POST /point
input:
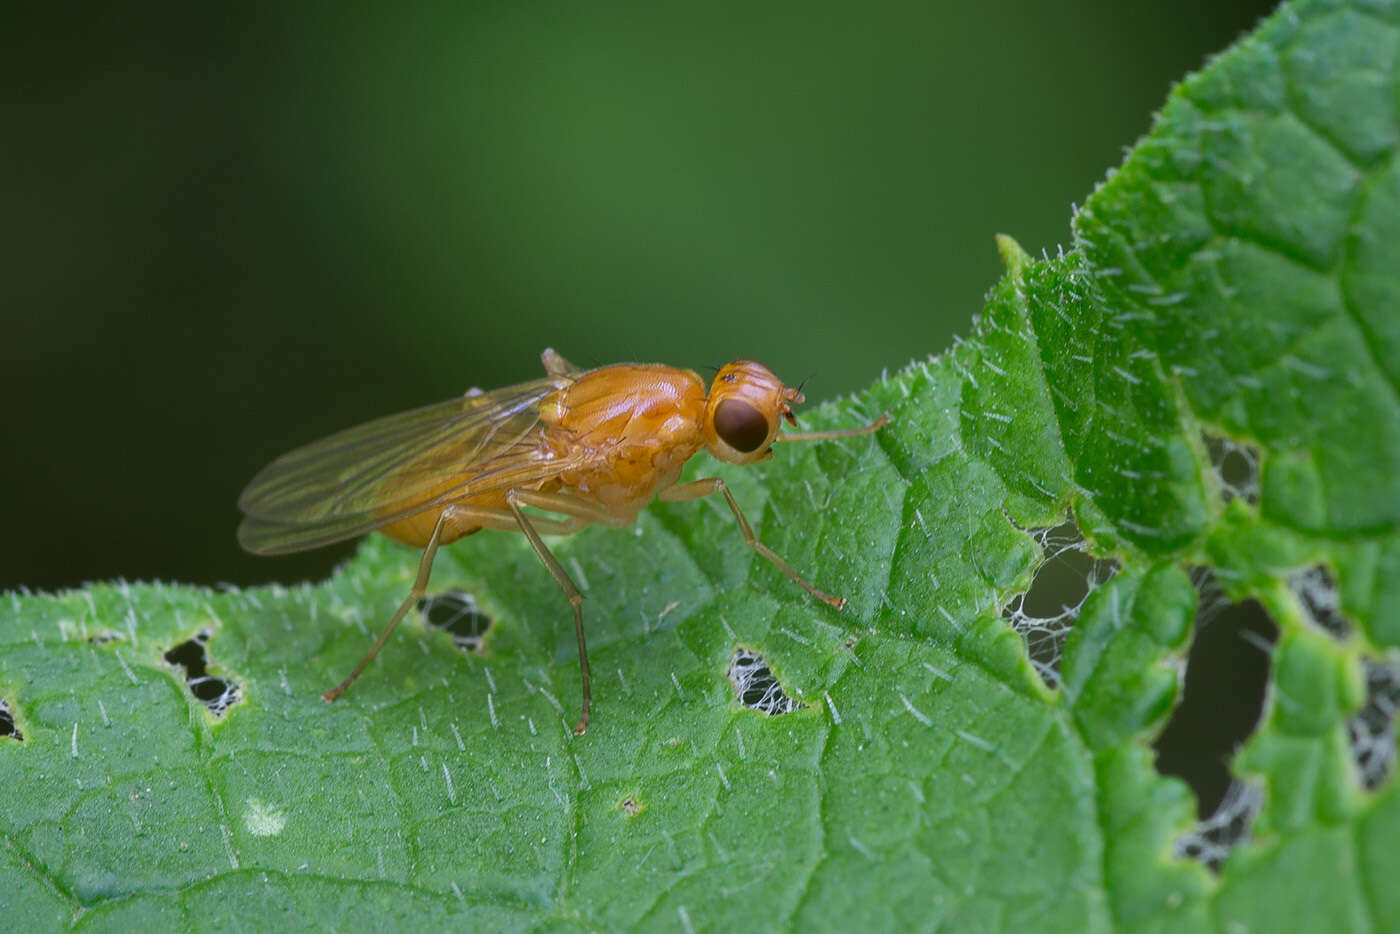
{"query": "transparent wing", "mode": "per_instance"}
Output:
(370, 475)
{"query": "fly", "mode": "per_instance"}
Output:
(587, 447)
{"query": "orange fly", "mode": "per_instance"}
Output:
(587, 447)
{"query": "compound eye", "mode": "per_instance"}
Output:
(740, 425)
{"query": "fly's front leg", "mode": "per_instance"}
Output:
(836, 433)
(514, 499)
(581, 512)
(699, 488)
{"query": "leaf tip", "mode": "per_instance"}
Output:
(1013, 255)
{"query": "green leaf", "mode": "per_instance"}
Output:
(1238, 278)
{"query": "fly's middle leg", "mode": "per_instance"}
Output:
(514, 499)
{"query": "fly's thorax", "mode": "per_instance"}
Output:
(628, 428)
(628, 404)
(743, 410)
(625, 483)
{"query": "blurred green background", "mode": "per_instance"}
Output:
(229, 231)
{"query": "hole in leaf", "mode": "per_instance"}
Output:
(757, 687)
(1227, 676)
(1236, 466)
(629, 806)
(1316, 591)
(8, 730)
(218, 694)
(1211, 840)
(1045, 612)
(1372, 731)
(457, 612)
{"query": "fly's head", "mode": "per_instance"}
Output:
(743, 411)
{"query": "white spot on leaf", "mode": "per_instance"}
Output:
(263, 820)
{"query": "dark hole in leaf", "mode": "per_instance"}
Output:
(1236, 466)
(1227, 674)
(756, 686)
(630, 807)
(8, 730)
(1372, 731)
(218, 694)
(457, 612)
(1316, 590)
(207, 689)
(1045, 612)
(189, 655)
(1211, 840)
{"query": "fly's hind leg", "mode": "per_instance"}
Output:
(488, 518)
(577, 514)
(698, 488)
